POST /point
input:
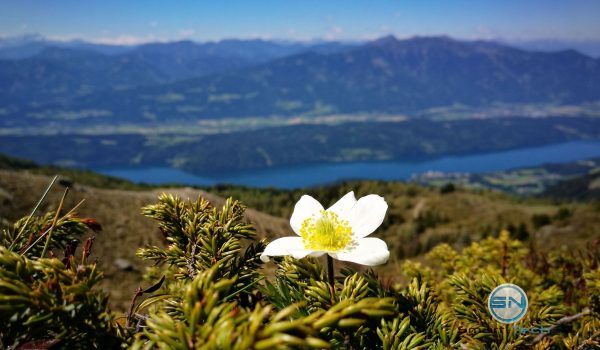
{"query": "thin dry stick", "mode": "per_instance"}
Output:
(32, 212)
(48, 230)
(74, 208)
(60, 206)
(564, 320)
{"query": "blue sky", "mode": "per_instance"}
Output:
(121, 21)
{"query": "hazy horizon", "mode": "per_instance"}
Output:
(589, 47)
(113, 22)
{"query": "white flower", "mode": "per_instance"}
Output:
(339, 231)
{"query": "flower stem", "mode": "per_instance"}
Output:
(330, 271)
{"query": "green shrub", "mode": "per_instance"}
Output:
(46, 301)
(447, 188)
(539, 220)
(212, 293)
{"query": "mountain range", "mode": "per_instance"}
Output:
(29, 45)
(187, 81)
(61, 71)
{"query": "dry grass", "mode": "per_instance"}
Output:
(118, 211)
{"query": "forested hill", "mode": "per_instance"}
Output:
(301, 144)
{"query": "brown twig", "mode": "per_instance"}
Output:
(192, 262)
(330, 272)
(138, 292)
(564, 320)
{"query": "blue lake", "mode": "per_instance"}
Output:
(319, 174)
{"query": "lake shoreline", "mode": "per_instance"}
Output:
(289, 177)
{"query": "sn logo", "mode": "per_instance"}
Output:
(507, 303)
(501, 302)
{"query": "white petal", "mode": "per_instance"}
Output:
(306, 207)
(368, 251)
(344, 206)
(286, 246)
(367, 215)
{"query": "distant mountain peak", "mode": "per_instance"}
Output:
(27, 36)
(185, 42)
(391, 40)
(10, 41)
(386, 40)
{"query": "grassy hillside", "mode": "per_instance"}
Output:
(418, 217)
(124, 229)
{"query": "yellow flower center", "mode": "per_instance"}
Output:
(326, 232)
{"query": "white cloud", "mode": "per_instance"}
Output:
(335, 32)
(127, 39)
(186, 33)
(69, 37)
(483, 32)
